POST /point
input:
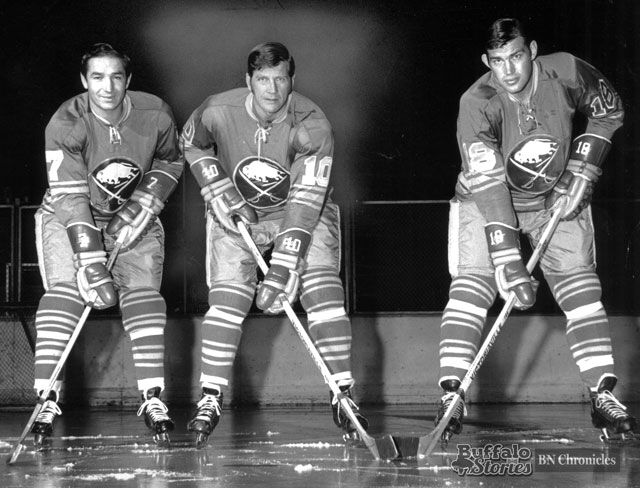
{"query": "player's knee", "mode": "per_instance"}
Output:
(62, 295)
(321, 287)
(232, 295)
(137, 301)
(583, 311)
(140, 293)
(327, 314)
(577, 290)
(475, 290)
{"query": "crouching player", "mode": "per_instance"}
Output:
(518, 158)
(112, 161)
(263, 154)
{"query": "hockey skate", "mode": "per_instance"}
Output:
(455, 423)
(43, 424)
(609, 415)
(342, 420)
(207, 416)
(156, 418)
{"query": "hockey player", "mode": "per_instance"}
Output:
(112, 160)
(263, 154)
(518, 157)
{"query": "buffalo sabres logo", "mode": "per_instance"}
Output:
(262, 182)
(116, 178)
(532, 166)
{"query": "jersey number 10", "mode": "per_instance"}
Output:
(317, 174)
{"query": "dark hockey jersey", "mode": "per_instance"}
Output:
(282, 170)
(513, 155)
(93, 167)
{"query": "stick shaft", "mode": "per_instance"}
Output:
(308, 343)
(434, 436)
(17, 448)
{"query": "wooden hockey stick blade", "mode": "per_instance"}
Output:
(17, 448)
(381, 447)
(428, 442)
(412, 446)
(405, 446)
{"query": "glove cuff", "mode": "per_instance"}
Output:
(84, 237)
(583, 169)
(590, 148)
(86, 258)
(289, 261)
(293, 241)
(501, 237)
(505, 256)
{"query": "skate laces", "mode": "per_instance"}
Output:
(461, 408)
(208, 406)
(48, 412)
(155, 409)
(611, 406)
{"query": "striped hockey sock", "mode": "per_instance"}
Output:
(329, 327)
(58, 315)
(144, 318)
(463, 319)
(222, 329)
(588, 333)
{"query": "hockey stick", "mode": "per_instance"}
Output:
(17, 448)
(428, 443)
(383, 448)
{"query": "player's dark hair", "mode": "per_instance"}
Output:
(269, 54)
(503, 31)
(103, 49)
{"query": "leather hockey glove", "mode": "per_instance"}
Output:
(142, 208)
(287, 262)
(221, 196)
(578, 180)
(94, 280)
(510, 271)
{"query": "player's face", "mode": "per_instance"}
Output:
(106, 82)
(270, 88)
(512, 64)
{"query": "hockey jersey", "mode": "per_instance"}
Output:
(93, 167)
(281, 170)
(512, 154)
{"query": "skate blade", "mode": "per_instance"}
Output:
(201, 440)
(40, 442)
(445, 437)
(351, 436)
(162, 440)
(619, 438)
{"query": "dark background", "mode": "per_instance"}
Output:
(387, 74)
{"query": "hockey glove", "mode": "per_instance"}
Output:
(94, 280)
(510, 272)
(578, 180)
(287, 262)
(143, 207)
(221, 196)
